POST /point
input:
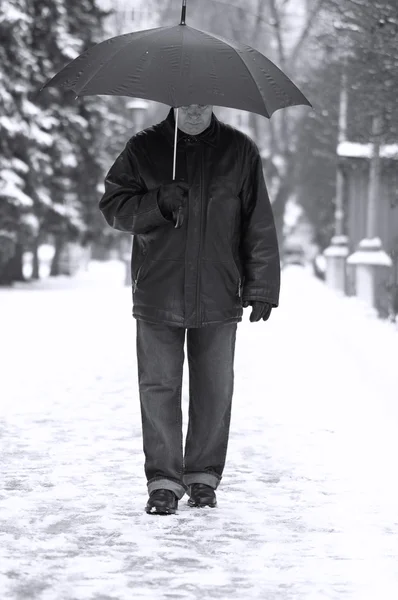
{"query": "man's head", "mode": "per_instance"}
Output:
(195, 118)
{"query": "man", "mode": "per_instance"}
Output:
(204, 247)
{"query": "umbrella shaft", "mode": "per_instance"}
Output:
(175, 145)
(183, 12)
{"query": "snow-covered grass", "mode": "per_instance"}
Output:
(307, 508)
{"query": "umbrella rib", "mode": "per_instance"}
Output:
(229, 44)
(115, 54)
(278, 88)
(252, 77)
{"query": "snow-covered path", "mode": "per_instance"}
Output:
(308, 506)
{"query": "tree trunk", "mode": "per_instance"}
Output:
(279, 206)
(374, 179)
(11, 270)
(5, 279)
(35, 262)
(17, 263)
(55, 263)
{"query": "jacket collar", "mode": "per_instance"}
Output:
(209, 136)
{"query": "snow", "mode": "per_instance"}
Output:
(69, 160)
(5, 96)
(357, 150)
(78, 120)
(13, 126)
(10, 189)
(339, 240)
(31, 221)
(45, 253)
(19, 165)
(280, 162)
(370, 243)
(344, 25)
(336, 251)
(320, 262)
(378, 258)
(137, 103)
(292, 213)
(48, 122)
(11, 176)
(338, 247)
(11, 14)
(29, 109)
(43, 197)
(370, 252)
(41, 137)
(307, 508)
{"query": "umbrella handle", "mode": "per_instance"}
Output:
(179, 218)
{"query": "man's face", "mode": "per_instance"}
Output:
(195, 118)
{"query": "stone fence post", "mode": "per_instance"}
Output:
(336, 255)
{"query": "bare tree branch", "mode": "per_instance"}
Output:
(277, 26)
(164, 9)
(304, 34)
(282, 61)
(257, 14)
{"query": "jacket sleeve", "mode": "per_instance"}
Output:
(259, 243)
(126, 204)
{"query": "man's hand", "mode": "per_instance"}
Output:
(261, 310)
(172, 198)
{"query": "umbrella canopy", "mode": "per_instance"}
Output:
(179, 66)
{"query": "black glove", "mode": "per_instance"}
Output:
(171, 200)
(261, 310)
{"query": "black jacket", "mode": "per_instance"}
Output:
(226, 250)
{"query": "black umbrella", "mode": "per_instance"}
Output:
(179, 66)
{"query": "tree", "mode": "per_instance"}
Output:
(16, 219)
(73, 160)
(52, 148)
(363, 36)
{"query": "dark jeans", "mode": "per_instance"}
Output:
(160, 357)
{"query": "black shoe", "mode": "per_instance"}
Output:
(162, 502)
(202, 495)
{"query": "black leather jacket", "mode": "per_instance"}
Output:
(226, 250)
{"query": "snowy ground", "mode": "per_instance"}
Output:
(308, 506)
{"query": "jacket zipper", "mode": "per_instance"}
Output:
(239, 279)
(200, 241)
(135, 283)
